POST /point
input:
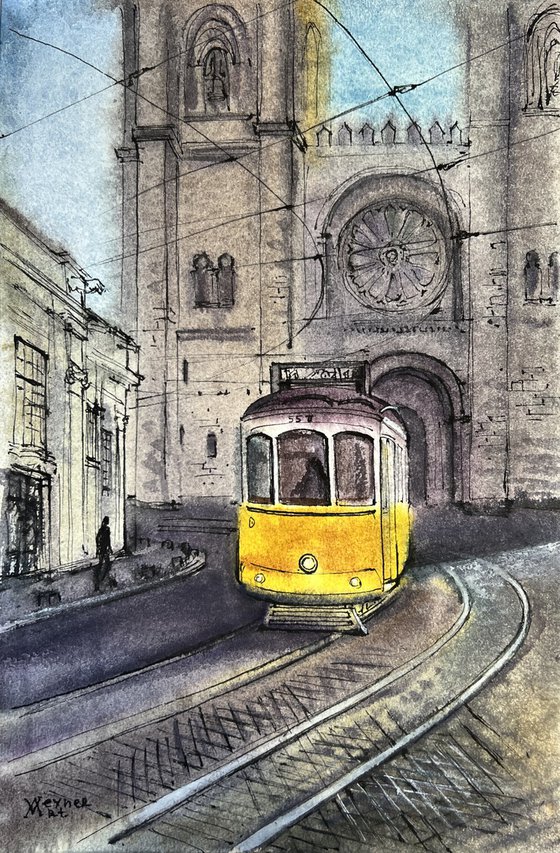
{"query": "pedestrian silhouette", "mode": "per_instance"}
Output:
(104, 551)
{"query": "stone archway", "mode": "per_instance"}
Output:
(429, 397)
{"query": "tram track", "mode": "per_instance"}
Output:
(243, 766)
(280, 824)
(156, 810)
(324, 741)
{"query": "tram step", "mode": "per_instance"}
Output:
(333, 618)
(318, 618)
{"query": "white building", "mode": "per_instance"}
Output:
(66, 382)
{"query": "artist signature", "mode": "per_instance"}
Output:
(54, 806)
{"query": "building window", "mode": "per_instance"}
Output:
(25, 519)
(541, 284)
(106, 461)
(311, 66)
(185, 371)
(214, 286)
(551, 293)
(225, 277)
(542, 61)
(393, 257)
(31, 396)
(211, 445)
(533, 276)
(93, 412)
(204, 281)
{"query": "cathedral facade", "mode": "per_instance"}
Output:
(268, 244)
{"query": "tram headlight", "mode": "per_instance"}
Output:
(308, 563)
(259, 578)
(355, 582)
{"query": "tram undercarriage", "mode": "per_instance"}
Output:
(335, 618)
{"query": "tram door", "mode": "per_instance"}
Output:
(388, 509)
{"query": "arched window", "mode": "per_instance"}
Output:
(204, 281)
(259, 469)
(542, 60)
(225, 278)
(533, 276)
(353, 454)
(311, 66)
(216, 77)
(551, 294)
(303, 468)
(216, 61)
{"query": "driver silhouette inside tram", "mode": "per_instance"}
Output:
(313, 488)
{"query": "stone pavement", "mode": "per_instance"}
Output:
(132, 767)
(485, 781)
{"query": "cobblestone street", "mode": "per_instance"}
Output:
(468, 784)
(486, 780)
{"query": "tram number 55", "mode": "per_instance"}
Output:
(300, 419)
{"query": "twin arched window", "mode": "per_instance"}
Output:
(214, 286)
(541, 285)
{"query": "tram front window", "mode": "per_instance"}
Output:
(259, 469)
(303, 468)
(353, 455)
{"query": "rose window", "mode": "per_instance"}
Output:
(393, 258)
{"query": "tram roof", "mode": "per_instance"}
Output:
(322, 399)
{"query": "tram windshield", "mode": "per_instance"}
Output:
(303, 468)
(355, 482)
(259, 469)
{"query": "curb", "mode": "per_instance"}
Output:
(106, 597)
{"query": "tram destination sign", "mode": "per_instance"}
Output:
(321, 373)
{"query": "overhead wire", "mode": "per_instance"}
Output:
(392, 92)
(129, 80)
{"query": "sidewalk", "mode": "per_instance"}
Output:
(438, 535)
(25, 599)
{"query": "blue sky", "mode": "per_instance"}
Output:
(62, 172)
(409, 41)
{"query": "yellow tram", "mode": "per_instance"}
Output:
(324, 525)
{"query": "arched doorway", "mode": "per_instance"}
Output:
(429, 399)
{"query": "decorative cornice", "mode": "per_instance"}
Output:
(240, 333)
(158, 133)
(74, 373)
(219, 150)
(273, 128)
(28, 459)
(127, 155)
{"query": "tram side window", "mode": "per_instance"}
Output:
(387, 473)
(401, 476)
(303, 468)
(355, 480)
(259, 469)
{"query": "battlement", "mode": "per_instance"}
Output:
(392, 133)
